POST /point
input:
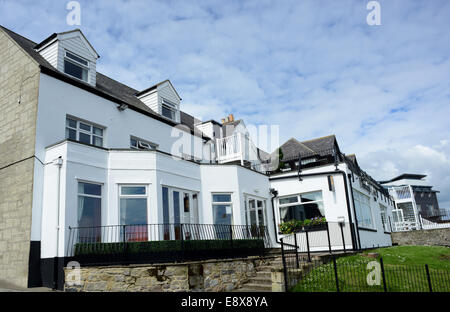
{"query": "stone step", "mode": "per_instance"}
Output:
(260, 281)
(266, 268)
(245, 289)
(258, 287)
(263, 274)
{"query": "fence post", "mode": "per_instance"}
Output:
(231, 236)
(296, 249)
(307, 246)
(341, 225)
(428, 277)
(284, 266)
(124, 243)
(182, 240)
(329, 240)
(383, 275)
(336, 273)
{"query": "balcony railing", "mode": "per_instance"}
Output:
(402, 192)
(230, 148)
(156, 243)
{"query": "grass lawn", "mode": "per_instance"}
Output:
(404, 268)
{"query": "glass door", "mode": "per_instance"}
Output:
(133, 212)
(180, 211)
(255, 215)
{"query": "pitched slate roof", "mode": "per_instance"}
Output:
(105, 86)
(292, 148)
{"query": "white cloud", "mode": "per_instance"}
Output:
(312, 67)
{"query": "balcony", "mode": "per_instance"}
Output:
(158, 243)
(401, 193)
(239, 148)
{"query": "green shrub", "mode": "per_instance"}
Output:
(165, 246)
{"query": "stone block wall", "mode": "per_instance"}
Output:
(19, 83)
(215, 276)
(435, 237)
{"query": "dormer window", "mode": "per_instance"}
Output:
(76, 66)
(168, 109)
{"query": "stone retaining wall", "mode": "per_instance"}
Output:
(224, 275)
(435, 237)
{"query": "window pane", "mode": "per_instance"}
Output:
(133, 190)
(288, 200)
(166, 112)
(186, 202)
(133, 143)
(301, 212)
(76, 58)
(89, 189)
(222, 214)
(71, 134)
(71, 123)
(313, 196)
(74, 70)
(85, 138)
(176, 207)
(84, 126)
(133, 211)
(89, 211)
(98, 131)
(221, 198)
(98, 141)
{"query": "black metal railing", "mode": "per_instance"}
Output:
(304, 272)
(368, 275)
(156, 243)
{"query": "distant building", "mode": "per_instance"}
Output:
(413, 199)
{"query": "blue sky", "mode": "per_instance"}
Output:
(313, 67)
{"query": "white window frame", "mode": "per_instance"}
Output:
(170, 106)
(383, 211)
(125, 196)
(359, 205)
(91, 133)
(91, 196)
(249, 210)
(76, 63)
(298, 202)
(140, 144)
(230, 203)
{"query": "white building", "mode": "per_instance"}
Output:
(107, 154)
(416, 203)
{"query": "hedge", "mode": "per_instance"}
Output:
(165, 246)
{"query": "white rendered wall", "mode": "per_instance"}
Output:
(82, 163)
(335, 204)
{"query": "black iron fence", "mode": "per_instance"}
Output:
(369, 275)
(305, 272)
(156, 243)
(328, 237)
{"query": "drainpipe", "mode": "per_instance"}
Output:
(274, 193)
(58, 162)
(344, 175)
